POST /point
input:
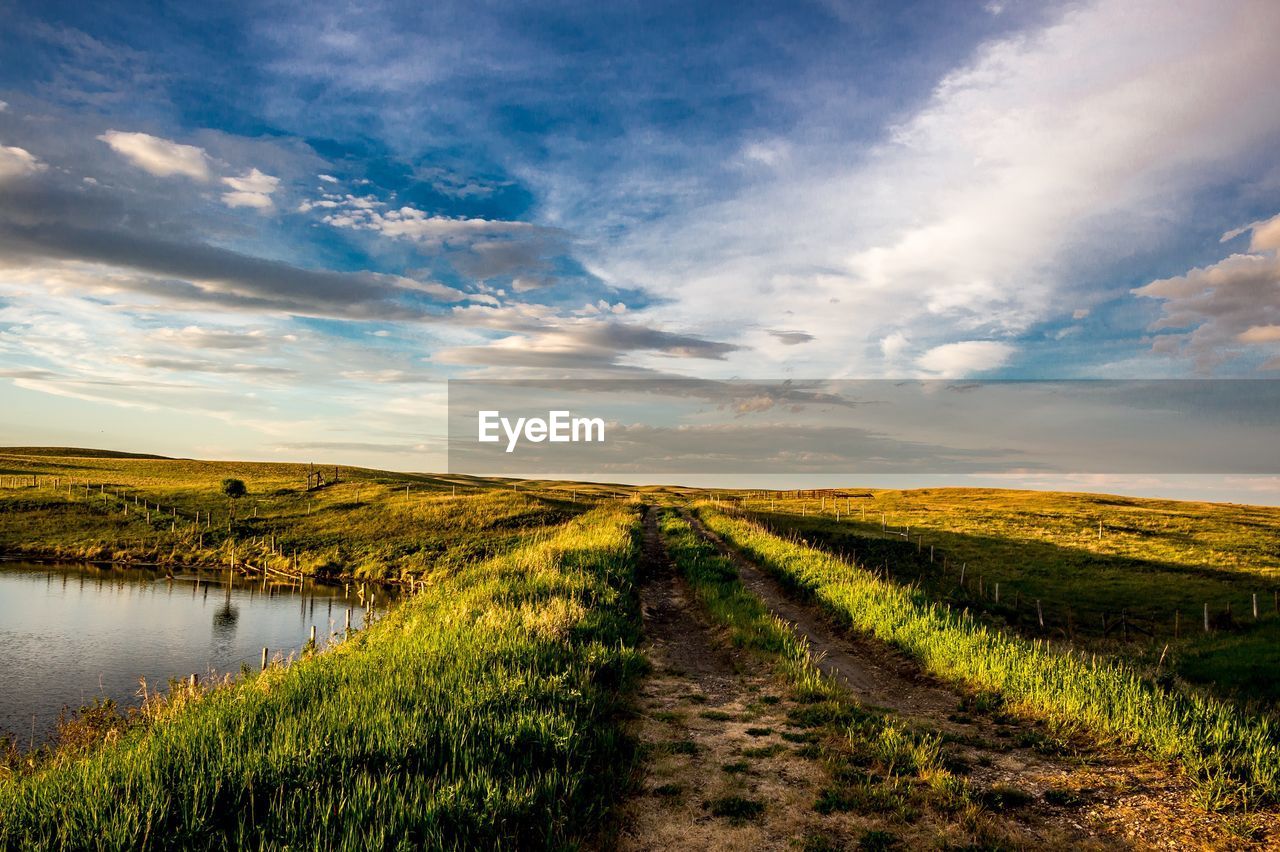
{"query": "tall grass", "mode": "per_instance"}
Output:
(481, 712)
(1234, 758)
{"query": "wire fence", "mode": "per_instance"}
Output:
(908, 556)
(228, 535)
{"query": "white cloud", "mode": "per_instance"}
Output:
(958, 360)
(974, 216)
(1260, 334)
(3, 106)
(1266, 235)
(160, 157)
(769, 154)
(252, 189)
(328, 178)
(200, 337)
(893, 346)
(18, 162)
(366, 213)
(1215, 313)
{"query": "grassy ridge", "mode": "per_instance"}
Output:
(1234, 758)
(479, 713)
(371, 524)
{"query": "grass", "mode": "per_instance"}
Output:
(1233, 757)
(735, 808)
(369, 525)
(850, 739)
(480, 712)
(1155, 559)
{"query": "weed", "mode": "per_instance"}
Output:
(736, 808)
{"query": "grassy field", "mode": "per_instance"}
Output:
(1234, 757)
(484, 709)
(480, 712)
(1142, 585)
(369, 524)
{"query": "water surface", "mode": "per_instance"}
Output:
(73, 633)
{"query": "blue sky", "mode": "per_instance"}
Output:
(272, 230)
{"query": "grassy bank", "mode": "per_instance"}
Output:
(478, 713)
(367, 524)
(1234, 758)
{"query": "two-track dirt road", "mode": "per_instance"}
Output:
(726, 769)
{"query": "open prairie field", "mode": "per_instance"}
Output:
(352, 522)
(1134, 577)
(589, 666)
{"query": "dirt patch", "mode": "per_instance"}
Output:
(1113, 798)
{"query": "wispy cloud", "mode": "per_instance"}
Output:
(252, 189)
(364, 199)
(992, 208)
(158, 156)
(1215, 313)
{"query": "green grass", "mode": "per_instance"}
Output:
(366, 526)
(1234, 757)
(854, 740)
(1157, 561)
(480, 712)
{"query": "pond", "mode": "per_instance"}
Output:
(72, 633)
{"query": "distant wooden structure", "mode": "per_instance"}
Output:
(316, 477)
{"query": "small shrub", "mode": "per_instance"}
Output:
(877, 841)
(1002, 797)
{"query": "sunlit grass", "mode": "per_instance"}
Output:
(908, 765)
(1155, 567)
(480, 712)
(1234, 758)
(370, 524)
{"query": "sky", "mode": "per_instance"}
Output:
(274, 230)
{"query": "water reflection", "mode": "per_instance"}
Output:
(224, 622)
(69, 634)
